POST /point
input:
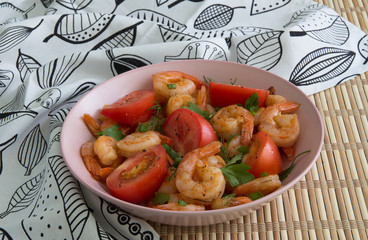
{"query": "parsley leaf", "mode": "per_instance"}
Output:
(171, 85)
(193, 107)
(112, 131)
(252, 104)
(237, 174)
(182, 202)
(174, 155)
(255, 195)
(161, 198)
(284, 174)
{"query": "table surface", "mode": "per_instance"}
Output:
(331, 201)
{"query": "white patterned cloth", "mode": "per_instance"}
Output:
(52, 52)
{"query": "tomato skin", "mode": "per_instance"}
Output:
(142, 187)
(267, 157)
(188, 130)
(222, 95)
(132, 108)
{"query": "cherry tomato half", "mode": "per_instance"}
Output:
(264, 155)
(138, 178)
(188, 130)
(222, 95)
(132, 108)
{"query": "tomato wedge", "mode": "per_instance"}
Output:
(138, 178)
(264, 155)
(132, 108)
(222, 95)
(188, 130)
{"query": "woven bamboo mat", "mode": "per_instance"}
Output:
(331, 201)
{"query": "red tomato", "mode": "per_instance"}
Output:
(265, 156)
(132, 108)
(138, 178)
(222, 95)
(188, 130)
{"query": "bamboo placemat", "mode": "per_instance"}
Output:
(331, 201)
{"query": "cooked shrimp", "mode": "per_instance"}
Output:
(289, 152)
(172, 206)
(275, 99)
(233, 120)
(226, 202)
(171, 83)
(92, 124)
(168, 186)
(106, 150)
(197, 182)
(139, 141)
(233, 145)
(263, 185)
(178, 101)
(92, 164)
(201, 99)
(282, 128)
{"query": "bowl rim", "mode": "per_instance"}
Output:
(266, 199)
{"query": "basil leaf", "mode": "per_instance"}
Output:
(237, 174)
(113, 132)
(161, 198)
(193, 107)
(252, 104)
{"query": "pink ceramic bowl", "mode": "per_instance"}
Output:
(74, 132)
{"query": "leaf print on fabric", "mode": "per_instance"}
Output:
(262, 50)
(4, 235)
(200, 50)
(76, 209)
(302, 15)
(321, 65)
(24, 195)
(32, 149)
(80, 28)
(46, 3)
(156, 17)
(176, 2)
(171, 35)
(123, 38)
(46, 100)
(161, 2)
(3, 146)
(123, 223)
(74, 4)
(26, 65)
(214, 16)
(14, 35)
(102, 234)
(125, 62)
(58, 119)
(57, 71)
(8, 9)
(6, 77)
(363, 48)
(261, 6)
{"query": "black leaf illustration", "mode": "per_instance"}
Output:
(75, 208)
(262, 50)
(150, 15)
(123, 38)
(48, 99)
(261, 6)
(4, 235)
(46, 3)
(24, 195)
(14, 35)
(80, 28)
(200, 50)
(363, 48)
(214, 16)
(125, 62)
(161, 2)
(74, 4)
(171, 35)
(6, 77)
(17, 102)
(321, 65)
(103, 235)
(54, 139)
(32, 149)
(179, 1)
(302, 15)
(57, 71)
(26, 64)
(58, 118)
(3, 146)
(7, 8)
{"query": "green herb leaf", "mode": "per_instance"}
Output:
(237, 174)
(243, 149)
(252, 103)
(235, 159)
(171, 85)
(157, 108)
(284, 174)
(232, 82)
(255, 196)
(161, 198)
(193, 107)
(144, 127)
(112, 131)
(264, 174)
(175, 156)
(228, 198)
(207, 80)
(182, 202)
